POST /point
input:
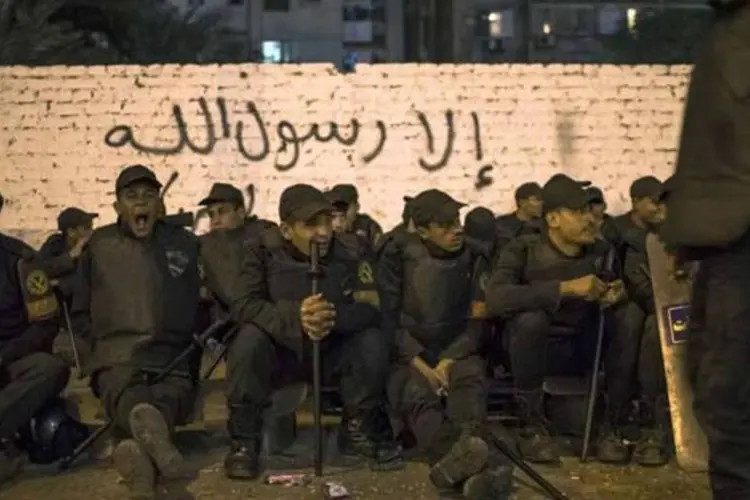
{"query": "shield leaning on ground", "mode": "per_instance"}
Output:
(672, 301)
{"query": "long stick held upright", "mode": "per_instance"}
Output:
(315, 274)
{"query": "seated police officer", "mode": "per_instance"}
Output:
(598, 206)
(225, 206)
(480, 225)
(544, 280)
(347, 215)
(272, 301)
(433, 303)
(525, 218)
(141, 294)
(30, 375)
(647, 378)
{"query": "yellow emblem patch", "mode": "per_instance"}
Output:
(37, 283)
(365, 273)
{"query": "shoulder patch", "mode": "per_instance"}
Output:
(37, 283)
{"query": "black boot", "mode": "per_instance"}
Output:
(369, 434)
(536, 445)
(652, 449)
(455, 457)
(245, 428)
(611, 447)
(495, 482)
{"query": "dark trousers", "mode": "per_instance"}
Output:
(526, 338)
(27, 385)
(633, 359)
(256, 365)
(719, 350)
(425, 413)
(120, 389)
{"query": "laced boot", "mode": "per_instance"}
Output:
(652, 449)
(245, 431)
(537, 445)
(495, 482)
(369, 434)
(455, 457)
(611, 447)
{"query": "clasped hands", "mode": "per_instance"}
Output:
(318, 317)
(438, 378)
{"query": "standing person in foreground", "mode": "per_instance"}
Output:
(432, 287)
(708, 219)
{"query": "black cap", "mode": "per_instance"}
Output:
(563, 192)
(74, 217)
(480, 223)
(302, 202)
(527, 190)
(222, 192)
(646, 187)
(135, 173)
(345, 194)
(667, 188)
(433, 205)
(596, 195)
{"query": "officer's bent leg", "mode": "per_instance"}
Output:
(250, 365)
(363, 362)
(527, 345)
(621, 358)
(722, 390)
(32, 382)
(467, 397)
(363, 370)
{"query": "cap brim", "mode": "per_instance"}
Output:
(142, 178)
(312, 210)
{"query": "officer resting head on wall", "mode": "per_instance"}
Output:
(139, 294)
(544, 280)
(481, 226)
(278, 317)
(432, 285)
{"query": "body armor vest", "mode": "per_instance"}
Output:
(144, 295)
(437, 295)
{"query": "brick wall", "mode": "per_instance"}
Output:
(66, 131)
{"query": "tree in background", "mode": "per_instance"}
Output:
(669, 36)
(71, 32)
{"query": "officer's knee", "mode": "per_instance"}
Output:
(48, 370)
(369, 348)
(250, 343)
(530, 323)
(418, 394)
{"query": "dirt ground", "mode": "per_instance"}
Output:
(204, 448)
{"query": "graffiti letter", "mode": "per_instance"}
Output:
(210, 131)
(483, 177)
(478, 153)
(265, 144)
(383, 135)
(122, 135)
(450, 139)
(289, 136)
(226, 130)
(333, 133)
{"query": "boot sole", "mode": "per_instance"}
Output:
(152, 433)
(491, 484)
(466, 458)
(135, 467)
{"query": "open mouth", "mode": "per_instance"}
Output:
(140, 222)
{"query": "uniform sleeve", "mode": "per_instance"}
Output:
(249, 303)
(376, 233)
(468, 343)
(80, 310)
(390, 282)
(507, 294)
(637, 279)
(55, 265)
(361, 309)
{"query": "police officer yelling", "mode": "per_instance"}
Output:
(141, 298)
(278, 317)
(433, 303)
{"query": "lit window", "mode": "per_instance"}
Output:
(547, 28)
(500, 24)
(631, 16)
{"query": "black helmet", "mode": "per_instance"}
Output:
(52, 434)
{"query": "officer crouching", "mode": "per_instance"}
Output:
(272, 302)
(433, 303)
(140, 293)
(31, 377)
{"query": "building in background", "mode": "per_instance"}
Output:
(287, 31)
